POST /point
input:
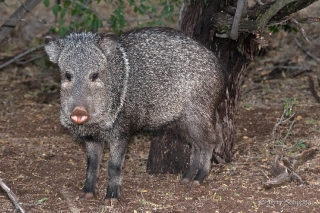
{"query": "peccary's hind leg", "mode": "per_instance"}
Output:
(205, 163)
(117, 153)
(200, 163)
(94, 155)
(197, 129)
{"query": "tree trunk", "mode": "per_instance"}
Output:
(204, 21)
(167, 154)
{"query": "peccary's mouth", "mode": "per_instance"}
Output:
(86, 129)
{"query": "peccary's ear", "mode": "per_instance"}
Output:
(108, 44)
(53, 48)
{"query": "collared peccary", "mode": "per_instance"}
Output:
(145, 79)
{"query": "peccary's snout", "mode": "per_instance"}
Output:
(79, 115)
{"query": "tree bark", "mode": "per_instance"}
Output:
(233, 61)
(204, 21)
(168, 154)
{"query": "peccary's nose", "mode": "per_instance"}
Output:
(79, 115)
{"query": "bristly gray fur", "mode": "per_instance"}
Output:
(147, 79)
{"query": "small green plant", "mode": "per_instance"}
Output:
(42, 200)
(80, 15)
(300, 145)
(287, 28)
(288, 106)
(247, 105)
(283, 127)
(154, 13)
(255, 206)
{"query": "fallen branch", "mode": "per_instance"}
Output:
(278, 181)
(16, 58)
(302, 158)
(11, 195)
(285, 170)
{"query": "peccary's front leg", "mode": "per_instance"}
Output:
(117, 153)
(94, 155)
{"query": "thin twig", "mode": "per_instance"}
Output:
(306, 51)
(222, 35)
(289, 130)
(301, 29)
(258, 2)
(285, 67)
(281, 121)
(280, 22)
(12, 196)
(4, 3)
(138, 19)
(265, 174)
(16, 58)
(142, 195)
(22, 62)
(93, 11)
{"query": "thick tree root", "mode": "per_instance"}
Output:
(313, 88)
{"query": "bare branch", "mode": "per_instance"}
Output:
(277, 168)
(306, 51)
(241, 6)
(279, 180)
(273, 9)
(303, 157)
(282, 121)
(16, 58)
(301, 29)
(11, 195)
(259, 2)
(12, 21)
(260, 16)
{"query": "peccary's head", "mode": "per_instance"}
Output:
(83, 61)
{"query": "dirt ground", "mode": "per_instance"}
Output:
(45, 168)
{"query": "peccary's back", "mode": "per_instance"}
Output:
(169, 74)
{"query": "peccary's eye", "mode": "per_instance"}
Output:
(95, 76)
(68, 76)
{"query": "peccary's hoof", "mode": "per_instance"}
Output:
(185, 181)
(111, 202)
(194, 183)
(84, 195)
